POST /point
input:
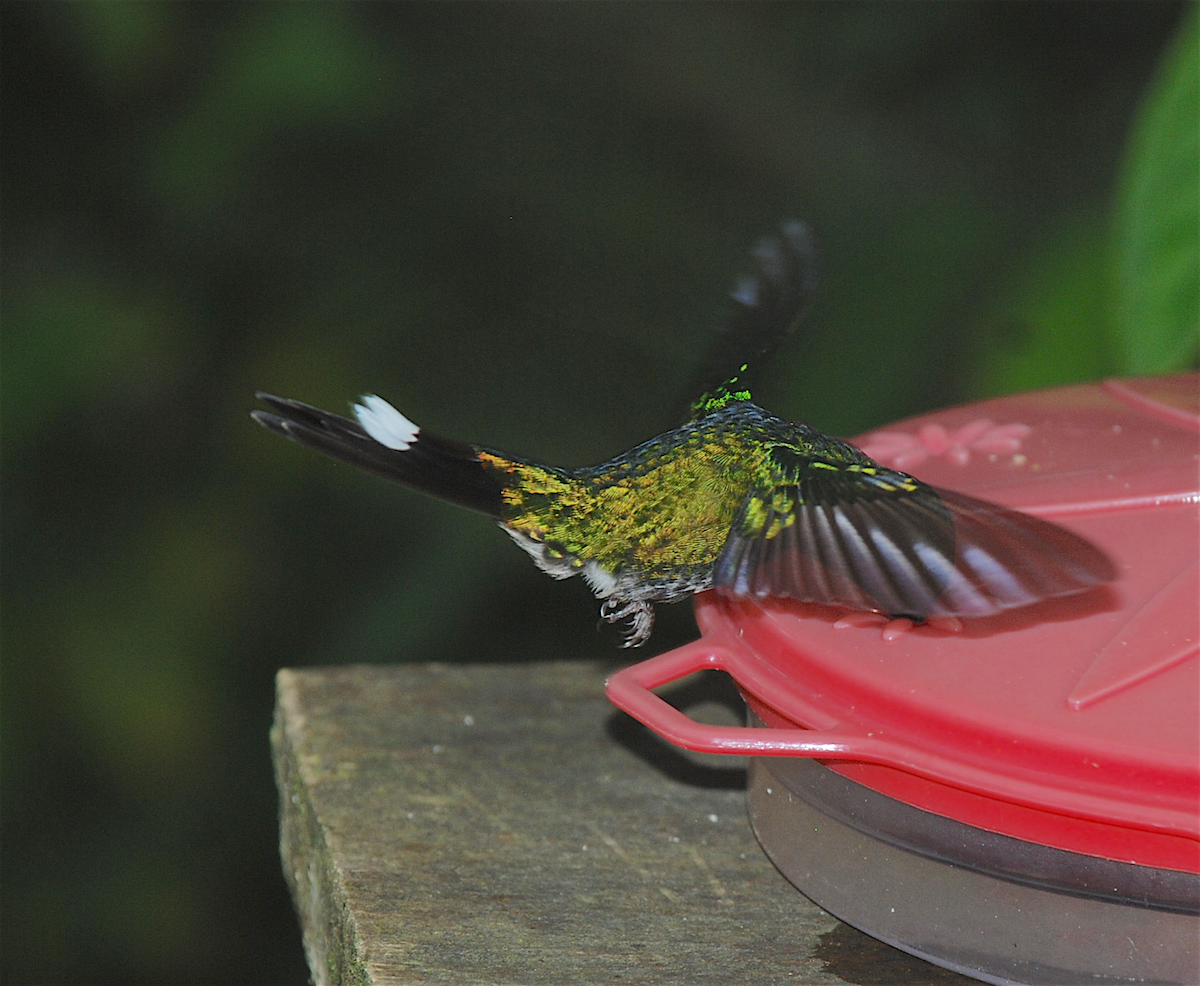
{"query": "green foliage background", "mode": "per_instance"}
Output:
(517, 222)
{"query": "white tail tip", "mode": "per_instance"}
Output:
(385, 424)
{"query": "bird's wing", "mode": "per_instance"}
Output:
(765, 305)
(878, 540)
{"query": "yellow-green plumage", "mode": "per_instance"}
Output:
(664, 508)
(651, 525)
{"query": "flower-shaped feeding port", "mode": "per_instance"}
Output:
(904, 450)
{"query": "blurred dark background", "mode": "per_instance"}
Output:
(517, 223)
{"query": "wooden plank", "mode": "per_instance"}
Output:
(502, 824)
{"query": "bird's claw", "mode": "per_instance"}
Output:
(640, 614)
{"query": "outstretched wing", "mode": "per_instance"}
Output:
(765, 305)
(873, 539)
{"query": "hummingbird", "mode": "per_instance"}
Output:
(734, 498)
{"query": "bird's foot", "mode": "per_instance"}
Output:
(640, 614)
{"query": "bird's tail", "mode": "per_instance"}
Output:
(385, 442)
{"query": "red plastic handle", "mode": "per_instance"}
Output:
(630, 691)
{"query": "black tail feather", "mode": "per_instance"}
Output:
(441, 467)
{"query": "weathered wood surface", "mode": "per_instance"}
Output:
(494, 824)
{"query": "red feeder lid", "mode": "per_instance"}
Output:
(1074, 723)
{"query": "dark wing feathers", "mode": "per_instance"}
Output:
(769, 300)
(1020, 558)
(432, 464)
(923, 553)
(764, 307)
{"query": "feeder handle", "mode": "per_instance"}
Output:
(630, 691)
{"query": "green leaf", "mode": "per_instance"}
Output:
(1049, 325)
(1157, 329)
